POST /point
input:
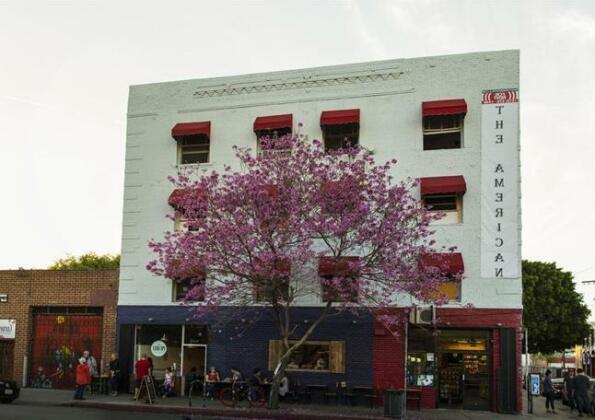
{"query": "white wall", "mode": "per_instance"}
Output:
(389, 95)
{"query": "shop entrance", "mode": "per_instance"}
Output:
(464, 369)
(6, 358)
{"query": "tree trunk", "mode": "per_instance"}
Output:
(277, 376)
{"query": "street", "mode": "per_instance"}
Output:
(22, 411)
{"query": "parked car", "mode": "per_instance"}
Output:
(9, 391)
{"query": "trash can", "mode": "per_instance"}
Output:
(393, 403)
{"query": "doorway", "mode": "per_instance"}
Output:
(194, 360)
(6, 358)
(464, 370)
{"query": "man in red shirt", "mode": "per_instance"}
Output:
(142, 368)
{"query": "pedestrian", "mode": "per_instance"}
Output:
(114, 368)
(581, 392)
(142, 369)
(548, 389)
(91, 362)
(82, 379)
(569, 390)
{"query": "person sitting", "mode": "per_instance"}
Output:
(193, 381)
(284, 387)
(212, 379)
(255, 381)
(168, 383)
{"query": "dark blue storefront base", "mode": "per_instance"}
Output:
(242, 340)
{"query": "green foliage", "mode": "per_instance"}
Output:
(89, 261)
(554, 313)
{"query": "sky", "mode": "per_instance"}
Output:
(65, 68)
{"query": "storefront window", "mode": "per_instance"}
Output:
(420, 357)
(320, 356)
(162, 344)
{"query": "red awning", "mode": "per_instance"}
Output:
(444, 107)
(331, 266)
(191, 129)
(343, 116)
(273, 122)
(179, 196)
(449, 262)
(443, 185)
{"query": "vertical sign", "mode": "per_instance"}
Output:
(500, 184)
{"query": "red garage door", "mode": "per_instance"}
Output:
(58, 341)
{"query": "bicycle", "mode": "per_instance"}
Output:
(238, 392)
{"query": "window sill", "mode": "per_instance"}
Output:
(194, 165)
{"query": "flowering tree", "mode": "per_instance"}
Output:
(296, 223)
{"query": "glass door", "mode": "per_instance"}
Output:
(476, 381)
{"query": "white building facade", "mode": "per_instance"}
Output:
(451, 121)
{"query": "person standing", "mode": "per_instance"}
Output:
(91, 362)
(82, 378)
(142, 368)
(581, 392)
(114, 368)
(569, 389)
(548, 389)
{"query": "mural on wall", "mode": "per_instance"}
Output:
(58, 342)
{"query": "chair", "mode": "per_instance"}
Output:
(364, 393)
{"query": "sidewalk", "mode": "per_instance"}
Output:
(179, 406)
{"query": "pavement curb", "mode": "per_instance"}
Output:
(251, 413)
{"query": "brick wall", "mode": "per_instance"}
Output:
(29, 288)
(389, 354)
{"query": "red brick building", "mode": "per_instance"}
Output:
(50, 318)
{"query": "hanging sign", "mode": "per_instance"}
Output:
(158, 348)
(500, 235)
(8, 328)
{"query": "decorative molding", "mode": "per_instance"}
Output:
(305, 82)
(298, 100)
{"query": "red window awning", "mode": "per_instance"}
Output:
(340, 266)
(443, 185)
(444, 107)
(448, 262)
(180, 198)
(273, 122)
(178, 269)
(339, 117)
(191, 129)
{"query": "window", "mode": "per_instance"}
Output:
(319, 356)
(189, 290)
(340, 136)
(181, 225)
(443, 131)
(194, 149)
(271, 290)
(273, 127)
(444, 194)
(450, 289)
(339, 289)
(449, 204)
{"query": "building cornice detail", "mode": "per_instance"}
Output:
(305, 82)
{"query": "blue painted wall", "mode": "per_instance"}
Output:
(243, 341)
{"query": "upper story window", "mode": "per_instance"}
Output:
(450, 264)
(189, 290)
(272, 126)
(194, 140)
(444, 194)
(340, 129)
(443, 123)
(338, 279)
